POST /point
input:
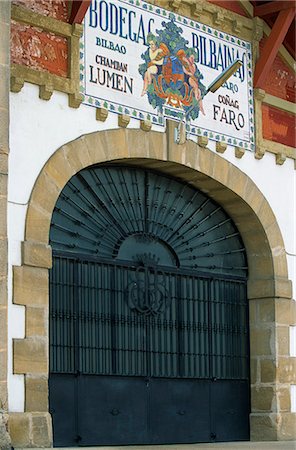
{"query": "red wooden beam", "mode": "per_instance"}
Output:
(272, 45)
(78, 11)
(273, 7)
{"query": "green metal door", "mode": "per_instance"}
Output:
(149, 318)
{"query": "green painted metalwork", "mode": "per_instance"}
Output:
(148, 279)
(119, 213)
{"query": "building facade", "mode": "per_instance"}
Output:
(189, 236)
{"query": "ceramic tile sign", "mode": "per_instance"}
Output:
(149, 63)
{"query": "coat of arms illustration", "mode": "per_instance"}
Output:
(170, 74)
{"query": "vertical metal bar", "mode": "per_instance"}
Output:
(209, 296)
(179, 329)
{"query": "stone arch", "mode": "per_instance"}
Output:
(269, 290)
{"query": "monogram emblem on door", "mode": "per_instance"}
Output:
(147, 291)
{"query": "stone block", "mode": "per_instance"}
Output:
(262, 399)
(287, 429)
(3, 217)
(45, 91)
(4, 127)
(286, 370)
(16, 84)
(37, 224)
(116, 147)
(30, 286)
(101, 114)
(182, 154)
(3, 326)
(205, 162)
(145, 125)
(283, 288)
(259, 94)
(261, 342)
(4, 163)
(36, 393)
(237, 181)
(45, 193)
(3, 290)
(123, 120)
(36, 321)
(19, 429)
(254, 370)
(75, 100)
(266, 310)
(253, 311)
(3, 396)
(253, 196)
(285, 311)
(267, 370)
(282, 340)
(41, 430)
(137, 144)
(259, 289)
(3, 363)
(30, 356)
(284, 398)
(30, 430)
(220, 172)
(5, 442)
(3, 257)
(203, 141)
(263, 426)
(239, 152)
(36, 254)
(97, 146)
(266, 215)
(280, 158)
(278, 251)
(58, 168)
(221, 147)
(77, 156)
(157, 146)
(3, 185)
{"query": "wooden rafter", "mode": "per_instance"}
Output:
(273, 7)
(272, 45)
(78, 10)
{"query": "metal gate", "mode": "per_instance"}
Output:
(147, 344)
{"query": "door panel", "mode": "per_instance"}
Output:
(230, 410)
(112, 410)
(179, 411)
(63, 408)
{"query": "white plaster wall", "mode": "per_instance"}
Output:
(38, 128)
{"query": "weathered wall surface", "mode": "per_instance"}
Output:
(4, 150)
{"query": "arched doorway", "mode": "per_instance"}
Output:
(149, 316)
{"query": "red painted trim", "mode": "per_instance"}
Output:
(272, 7)
(272, 45)
(78, 10)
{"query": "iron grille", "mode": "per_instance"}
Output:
(96, 328)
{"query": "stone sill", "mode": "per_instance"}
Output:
(265, 445)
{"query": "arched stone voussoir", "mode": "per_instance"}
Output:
(199, 166)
